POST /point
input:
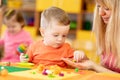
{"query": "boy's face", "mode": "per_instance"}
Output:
(55, 35)
(13, 26)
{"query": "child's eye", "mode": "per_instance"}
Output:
(64, 35)
(55, 35)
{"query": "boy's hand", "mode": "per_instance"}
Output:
(79, 56)
(24, 57)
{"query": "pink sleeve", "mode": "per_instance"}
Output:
(1, 42)
(110, 62)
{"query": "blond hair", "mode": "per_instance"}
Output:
(56, 14)
(108, 39)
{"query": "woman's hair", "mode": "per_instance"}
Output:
(18, 16)
(56, 14)
(108, 39)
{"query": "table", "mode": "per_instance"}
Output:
(70, 74)
(27, 75)
(102, 76)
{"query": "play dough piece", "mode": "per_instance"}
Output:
(25, 64)
(3, 71)
(76, 69)
(55, 69)
(40, 67)
(61, 74)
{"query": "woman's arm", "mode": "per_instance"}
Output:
(100, 68)
(87, 64)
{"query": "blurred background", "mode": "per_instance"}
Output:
(81, 14)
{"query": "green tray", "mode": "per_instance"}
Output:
(14, 69)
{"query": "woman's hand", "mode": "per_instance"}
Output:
(85, 64)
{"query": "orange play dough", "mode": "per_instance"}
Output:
(4, 72)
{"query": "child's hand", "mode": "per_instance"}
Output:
(79, 55)
(24, 57)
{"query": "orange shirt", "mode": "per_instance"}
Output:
(40, 54)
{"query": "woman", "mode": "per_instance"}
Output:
(106, 26)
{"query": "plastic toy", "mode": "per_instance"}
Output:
(21, 48)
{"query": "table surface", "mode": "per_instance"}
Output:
(20, 73)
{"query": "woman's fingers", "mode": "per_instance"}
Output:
(72, 64)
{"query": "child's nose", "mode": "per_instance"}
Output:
(60, 38)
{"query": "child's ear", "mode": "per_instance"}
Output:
(42, 31)
(22, 23)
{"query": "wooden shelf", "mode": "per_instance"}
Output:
(70, 6)
(24, 9)
(72, 31)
